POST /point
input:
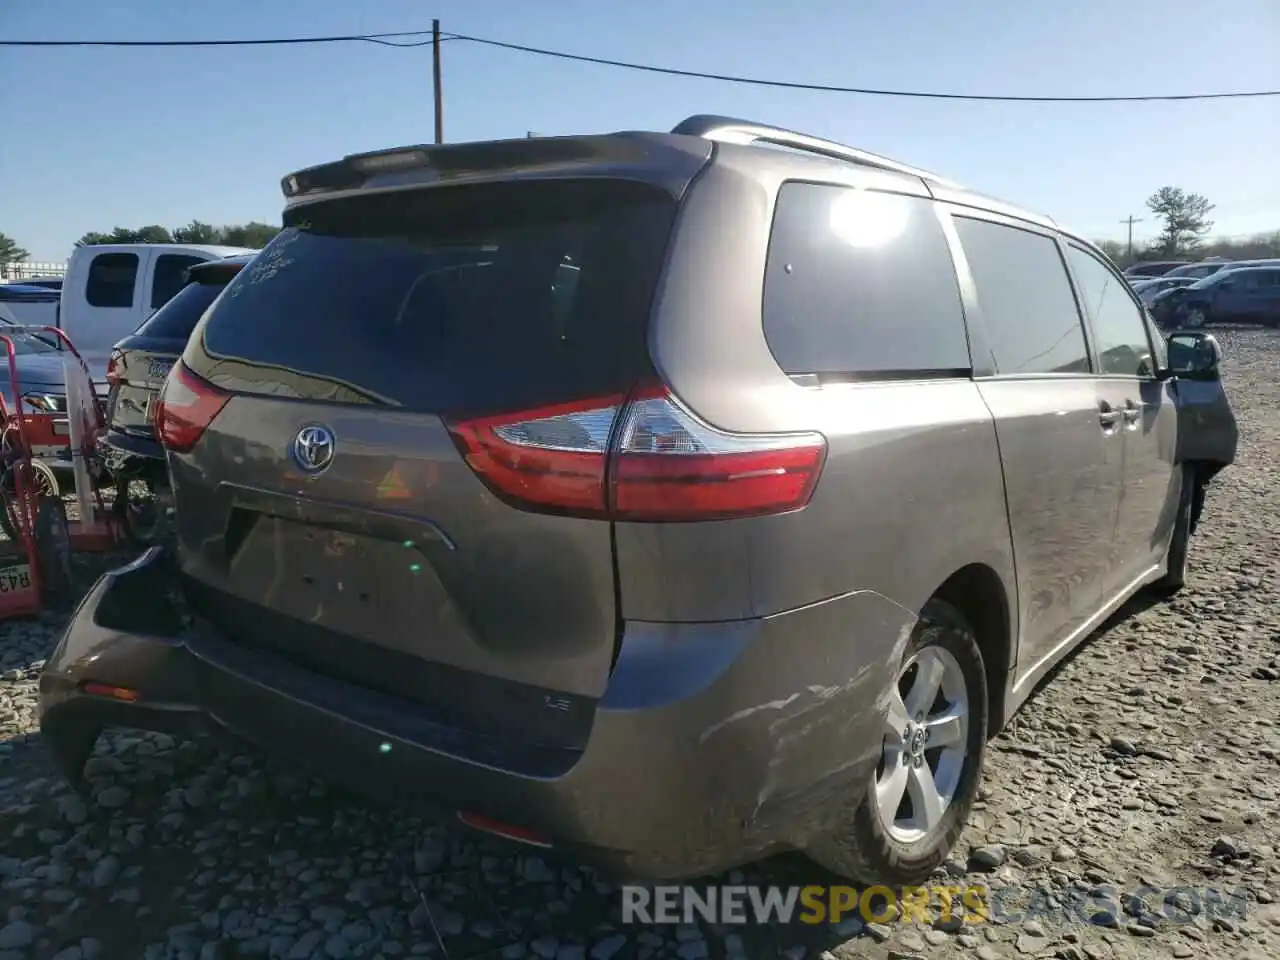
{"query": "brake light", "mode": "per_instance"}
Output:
(669, 465)
(186, 406)
(642, 458)
(551, 458)
(114, 375)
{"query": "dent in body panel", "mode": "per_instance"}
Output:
(1207, 429)
(819, 730)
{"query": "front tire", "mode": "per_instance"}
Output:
(931, 758)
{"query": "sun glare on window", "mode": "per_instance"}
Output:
(864, 219)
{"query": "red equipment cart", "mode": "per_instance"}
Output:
(35, 565)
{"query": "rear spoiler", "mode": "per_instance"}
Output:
(679, 158)
(214, 271)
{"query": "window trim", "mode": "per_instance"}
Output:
(1069, 243)
(976, 322)
(138, 272)
(861, 377)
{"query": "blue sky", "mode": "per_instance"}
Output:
(136, 136)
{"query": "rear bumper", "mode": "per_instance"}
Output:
(122, 451)
(713, 744)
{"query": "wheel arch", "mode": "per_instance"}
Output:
(977, 591)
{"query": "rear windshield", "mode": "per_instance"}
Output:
(27, 342)
(461, 300)
(178, 317)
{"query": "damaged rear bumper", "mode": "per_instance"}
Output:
(714, 743)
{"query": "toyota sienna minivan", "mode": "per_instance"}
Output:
(668, 498)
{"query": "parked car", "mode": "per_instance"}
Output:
(1153, 268)
(1198, 271)
(110, 289)
(1147, 290)
(136, 371)
(49, 283)
(29, 305)
(1247, 294)
(629, 559)
(1241, 264)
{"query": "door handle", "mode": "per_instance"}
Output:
(1108, 417)
(1132, 413)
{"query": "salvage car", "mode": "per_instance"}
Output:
(1238, 295)
(136, 370)
(665, 498)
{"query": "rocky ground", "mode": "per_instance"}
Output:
(1151, 758)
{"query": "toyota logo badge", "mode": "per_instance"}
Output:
(313, 448)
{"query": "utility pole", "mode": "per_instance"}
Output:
(1131, 220)
(435, 78)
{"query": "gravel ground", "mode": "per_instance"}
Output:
(1152, 757)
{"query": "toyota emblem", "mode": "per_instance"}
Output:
(313, 448)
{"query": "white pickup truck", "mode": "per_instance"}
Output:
(110, 289)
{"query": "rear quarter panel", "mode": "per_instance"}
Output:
(912, 489)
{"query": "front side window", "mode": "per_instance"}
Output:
(859, 282)
(1118, 323)
(1029, 312)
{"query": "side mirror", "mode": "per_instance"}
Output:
(1194, 356)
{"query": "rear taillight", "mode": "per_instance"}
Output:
(114, 373)
(552, 458)
(643, 458)
(186, 406)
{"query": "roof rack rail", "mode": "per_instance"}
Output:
(731, 130)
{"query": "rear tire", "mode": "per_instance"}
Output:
(1175, 577)
(881, 846)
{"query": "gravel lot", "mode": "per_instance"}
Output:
(1152, 757)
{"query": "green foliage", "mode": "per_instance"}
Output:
(1186, 220)
(254, 234)
(10, 252)
(197, 232)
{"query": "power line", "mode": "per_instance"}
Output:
(267, 42)
(391, 40)
(869, 91)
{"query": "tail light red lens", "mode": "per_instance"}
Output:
(669, 465)
(186, 406)
(551, 458)
(642, 458)
(114, 374)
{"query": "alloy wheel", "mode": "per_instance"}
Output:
(925, 745)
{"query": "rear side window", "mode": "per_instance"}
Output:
(461, 300)
(170, 276)
(861, 283)
(112, 277)
(178, 317)
(1028, 310)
